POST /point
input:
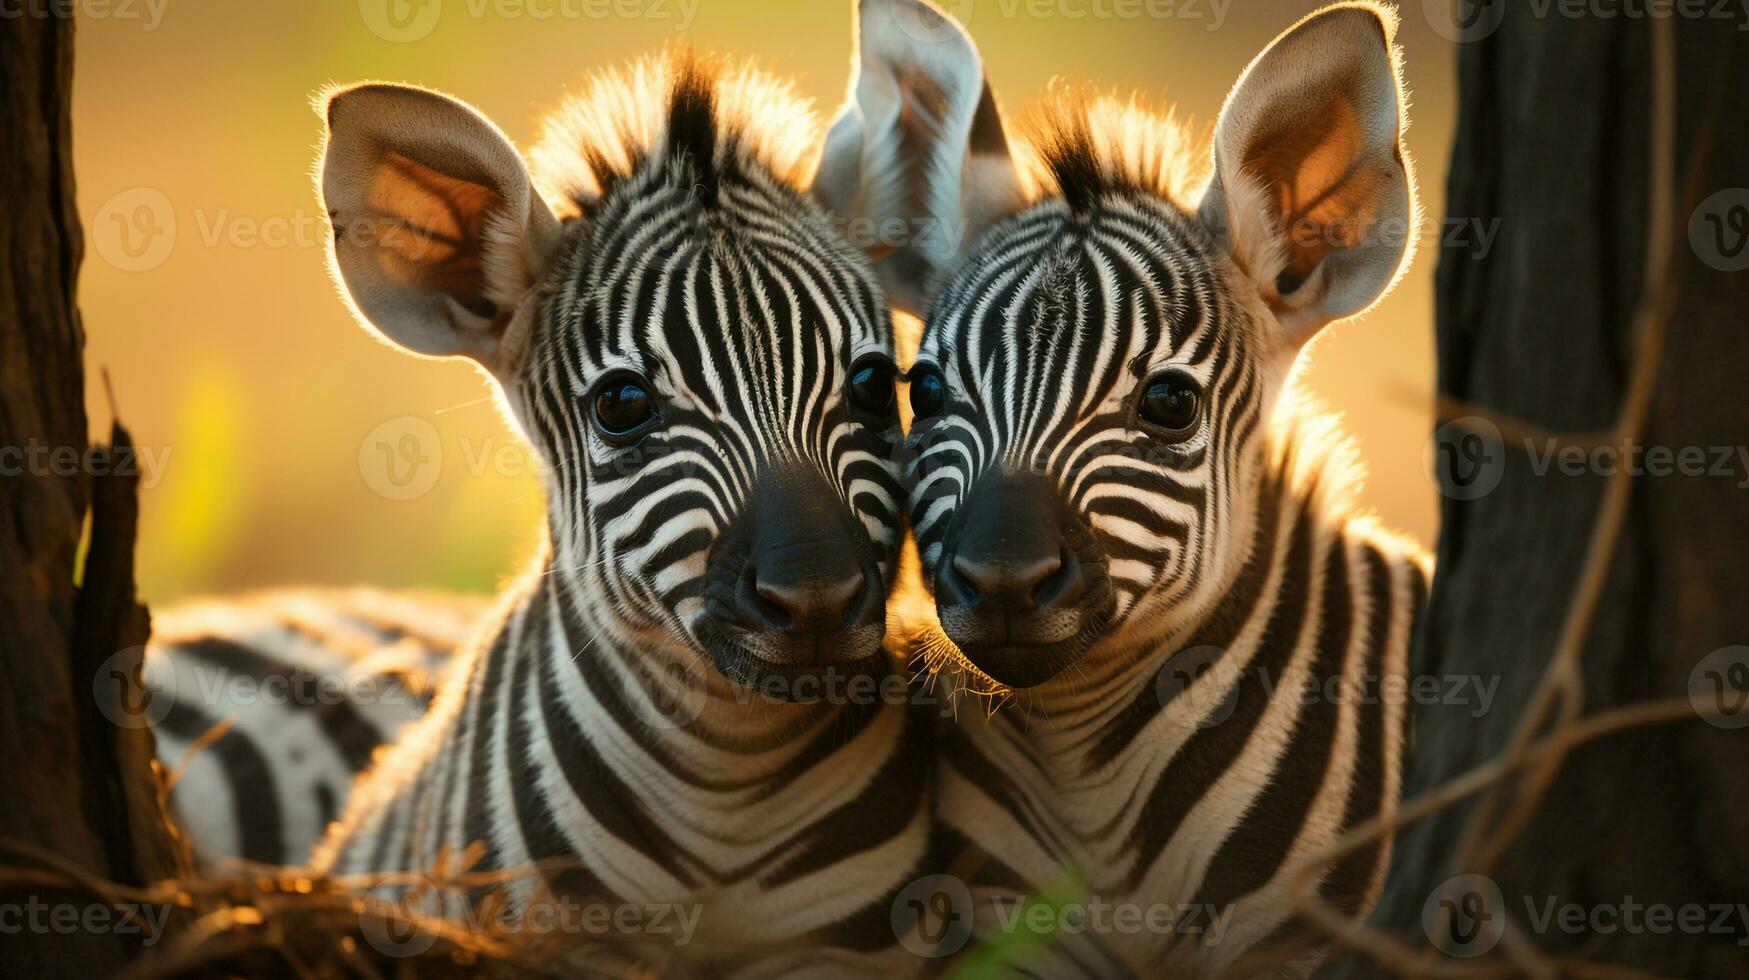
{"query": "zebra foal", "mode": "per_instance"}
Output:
(1121, 524)
(705, 365)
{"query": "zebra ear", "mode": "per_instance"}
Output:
(437, 230)
(917, 163)
(1312, 193)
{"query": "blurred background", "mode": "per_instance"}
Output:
(283, 444)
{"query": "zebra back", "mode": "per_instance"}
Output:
(266, 706)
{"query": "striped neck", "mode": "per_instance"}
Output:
(626, 766)
(1197, 764)
(1237, 627)
(656, 683)
(629, 755)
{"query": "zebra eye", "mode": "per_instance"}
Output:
(872, 391)
(1171, 403)
(623, 408)
(928, 392)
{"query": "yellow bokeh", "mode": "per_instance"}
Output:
(205, 471)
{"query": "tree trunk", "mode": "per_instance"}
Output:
(79, 793)
(1552, 150)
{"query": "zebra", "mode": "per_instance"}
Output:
(266, 706)
(664, 711)
(1131, 526)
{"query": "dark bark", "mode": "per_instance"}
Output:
(78, 789)
(1552, 143)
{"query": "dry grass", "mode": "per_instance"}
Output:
(263, 921)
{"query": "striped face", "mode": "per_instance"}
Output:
(699, 356)
(1100, 354)
(1088, 399)
(712, 386)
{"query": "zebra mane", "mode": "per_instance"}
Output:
(1081, 145)
(1315, 462)
(725, 120)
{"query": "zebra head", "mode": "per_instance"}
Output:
(701, 360)
(1103, 347)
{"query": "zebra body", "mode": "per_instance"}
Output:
(704, 365)
(1191, 769)
(664, 788)
(307, 685)
(1129, 532)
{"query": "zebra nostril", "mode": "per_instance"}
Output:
(772, 614)
(805, 605)
(1011, 584)
(1061, 584)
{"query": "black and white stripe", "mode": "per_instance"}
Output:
(309, 684)
(1191, 622)
(591, 728)
(1175, 762)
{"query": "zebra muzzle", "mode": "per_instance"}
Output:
(793, 589)
(1021, 586)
